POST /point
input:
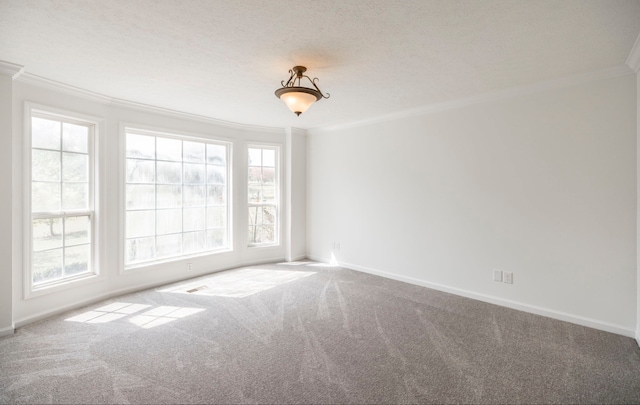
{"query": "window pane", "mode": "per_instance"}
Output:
(141, 196)
(255, 234)
(76, 230)
(255, 193)
(76, 260)
(216, 239)
(268, 194)
(269, 175)
(188, 177)
(75, 138)
(45, 133)
(194, 242)
(255, 215)
(216, 195)
(255, 175)
(255, 157)
(61, 246)
(45, 165)
(216, 217)
(216, 174)
(140, 223)
(75, 167)
(75, 196)
(140, 249)
(268, 234)
(45, 197)
(193, 152)
(268, 158)
(140, 171)
(194, 174)
(194, 196)
(46, 265)
(216, 154)
(169, 173)
(268, 215)
(141, 146)
(169, 197)
(168, 245)
(194, 219)
(47, 234)
(169, 149)
(169, 221)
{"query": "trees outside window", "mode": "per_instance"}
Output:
(176, 197)
(263, 193)
(62, 190)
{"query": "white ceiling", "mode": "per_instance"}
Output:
(224, 59)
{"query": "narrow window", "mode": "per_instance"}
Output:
(263, 195)
(176, 197)
(62, 190)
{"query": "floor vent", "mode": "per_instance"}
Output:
(202, 287)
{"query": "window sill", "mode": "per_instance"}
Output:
(50, 288)
(172, 260)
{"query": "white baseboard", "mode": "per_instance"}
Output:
(9, 330)
(549, 313)
(296, 258)
(72, 306)
(638, 335)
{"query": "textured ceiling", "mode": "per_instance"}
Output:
(224, 59)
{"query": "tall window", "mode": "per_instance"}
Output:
(62, 213)
(176, 197)
(263, 195)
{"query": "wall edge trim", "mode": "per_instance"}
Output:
(9, 330)
(549, 313)
(507, 93)
(32, 79)
(123, 291)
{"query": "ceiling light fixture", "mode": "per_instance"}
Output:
(296, 97)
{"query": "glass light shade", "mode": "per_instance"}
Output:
(298, 99)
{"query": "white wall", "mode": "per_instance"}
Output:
(542, 185)
(298, 194)
(6, 91)
(113, 115)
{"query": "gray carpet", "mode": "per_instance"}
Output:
(311, 334)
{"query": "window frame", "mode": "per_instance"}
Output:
(278, 193)
(140, 129)
(94, 274)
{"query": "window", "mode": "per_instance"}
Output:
(176, 197)
(62, 190)
(263, 195)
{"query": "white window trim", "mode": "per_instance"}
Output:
(143, 129)
(31, 109)
(279, 195)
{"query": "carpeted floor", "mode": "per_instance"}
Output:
(305, 333)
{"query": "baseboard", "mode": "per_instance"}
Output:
(549, 313)
(9, 330)
(112, 294)
(296, 258)
(638, 336)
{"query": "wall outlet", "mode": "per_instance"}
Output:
(497, 275)
(336, 245)
(508, 277)
(189, 266)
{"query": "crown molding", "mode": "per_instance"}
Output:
(633, 60)
(39, 81)
(11, 69)
(567, 81)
